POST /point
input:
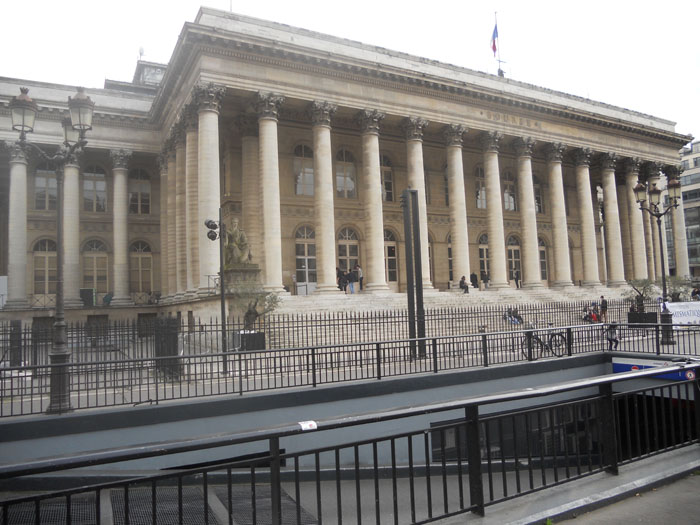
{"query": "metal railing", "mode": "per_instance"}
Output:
(199, 368)
(458, 464)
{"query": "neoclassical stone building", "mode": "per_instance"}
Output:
(309, 140)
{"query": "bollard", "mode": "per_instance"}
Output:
(484, 345)
(16, 342)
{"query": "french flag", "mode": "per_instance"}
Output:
(494, 37)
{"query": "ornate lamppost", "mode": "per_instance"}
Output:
(657, 210)
(213, 235)
(24, 111)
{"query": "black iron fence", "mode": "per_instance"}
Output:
(458, 464)
(206, 371)
(138, 339)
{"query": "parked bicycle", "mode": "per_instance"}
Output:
(552, 342)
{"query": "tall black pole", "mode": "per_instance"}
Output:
(222, 283)
(420, 311)
(666, 316)
(406, 205)
(59, 398)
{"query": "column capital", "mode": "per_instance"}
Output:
(120, 158)
(454, 134)
(190, 117)
(321, 112)
(608, 161)
(177, 134)
(247, 125)
(162, 162)
(582, 157)
(369, 120)
(632, 165)
(208, 97)
(523, 146)
(267, 105)
(414, 127)
(490, 141)
(650, 170)
(672, 171)
(17, 152)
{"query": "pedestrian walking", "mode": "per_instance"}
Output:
(611, 336)
(360, 276)
(516, 278)
(352, 279)
(475, 281)
(603, 309)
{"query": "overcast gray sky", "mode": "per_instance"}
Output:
(620, 52)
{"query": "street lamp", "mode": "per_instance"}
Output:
(654, 209)
(24, 111)
(213, 235)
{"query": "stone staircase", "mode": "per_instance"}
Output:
(433, 298)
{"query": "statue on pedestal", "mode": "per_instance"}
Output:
(237, 249)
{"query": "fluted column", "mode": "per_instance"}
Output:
(636, 226)
(180, 211)
(680, 243)
(560, 233)
(163, 206)
(192, 229)
(250, 186)
(172, 249)
(498, 277)
(413, 127)
(623, 214)
(589, 247)
(613, 240)
(459, 233)
(208, 99)
(267, 105)
(71, 234)
(120, 168)
(528, 215)
(650, 174)
(17, 231)
(374, 274)
(321, 113)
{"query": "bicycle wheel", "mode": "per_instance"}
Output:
(557, 344)
(535, 344)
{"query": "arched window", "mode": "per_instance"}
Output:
(449, 256)
(139, 192)
(45, 267)
(305, 247)
(45, 190)
(539, 195)
(513, 247)
(95, 266)
(480, 187)
(345, 175)
(303, 170)
(391, 262)
(387, 178)
(140, 268)
(543, 259)
(348, 249)
(484, 256)
(510, 202)
(94, 189)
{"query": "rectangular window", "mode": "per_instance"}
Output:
(45, 191)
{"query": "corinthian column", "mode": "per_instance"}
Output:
(180, 211)
(324, 210)
(613, 240)
(459, 234)
(497, 245)
(208, 99)
(250, 186)
(372, 185)
(71, 233)
(680, 243)
(589, 248)
(560, 233)
(413, 127)
(528, 214)
(649, 171)
(267, 106)
(17, 230)
(120, 164)
(192, 230)
(163, 205)
(623, 214)
(172, 248)
(639, 259)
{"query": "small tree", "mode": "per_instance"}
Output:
(679, 288)
(640, 290)
(250, 298)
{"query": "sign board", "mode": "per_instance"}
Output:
(626, 364)
(685, 313)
